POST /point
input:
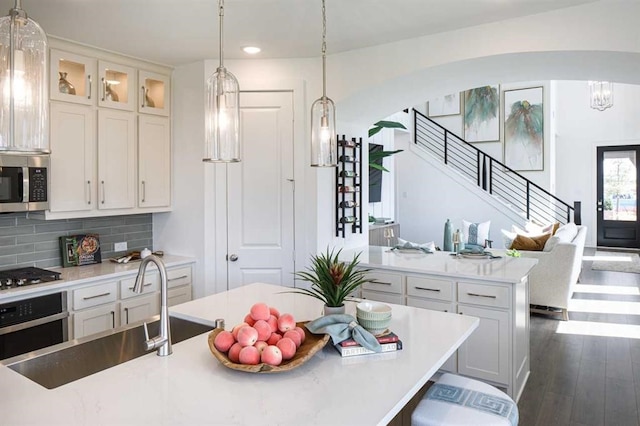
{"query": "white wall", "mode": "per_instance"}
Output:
(580, 130)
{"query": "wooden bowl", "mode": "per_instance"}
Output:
(312, 344)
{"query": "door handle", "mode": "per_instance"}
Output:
(232, 258)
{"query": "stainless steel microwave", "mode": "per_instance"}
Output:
(24, 182)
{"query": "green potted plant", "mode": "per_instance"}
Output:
(332, 280)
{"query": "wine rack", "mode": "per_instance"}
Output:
(349, 186)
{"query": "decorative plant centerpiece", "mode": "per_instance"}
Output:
(332, 280)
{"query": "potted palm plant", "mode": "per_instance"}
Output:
(332, 280)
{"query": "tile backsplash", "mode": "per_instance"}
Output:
(33, 242)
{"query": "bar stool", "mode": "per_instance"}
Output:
(457, 400)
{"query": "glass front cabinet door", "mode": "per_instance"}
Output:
(72, 78)
(116, 86)
(154, 93)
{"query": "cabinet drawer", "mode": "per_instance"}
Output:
(383, 297)
(431, 304)
(151, 284)
(179, 276)
(180, 295)
(483, 294)
(382, 281)
(95, 295)
(431, 288)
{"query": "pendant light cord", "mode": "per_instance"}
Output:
(221, 15)
(324, 50)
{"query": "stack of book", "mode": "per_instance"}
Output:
(389, 342)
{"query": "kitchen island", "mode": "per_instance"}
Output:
(192, 387)
(496, 290)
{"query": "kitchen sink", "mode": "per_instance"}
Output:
(61, 364)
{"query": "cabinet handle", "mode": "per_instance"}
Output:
(144, 191)
(103, 195)
(90, 85)
(143, 96)
(113, 319)
(428, 289)
(178, 278)
(96, 296)
(126, 315)
(89, 187)
(379, 282)
(143, 285)
(104, 89)
(481, 295)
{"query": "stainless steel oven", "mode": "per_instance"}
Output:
(24, 182)
(34, 323)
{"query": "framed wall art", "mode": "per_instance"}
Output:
(524, 129)
(481, 114)
(445, 105)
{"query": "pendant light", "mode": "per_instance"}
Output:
(601, 95)
(23, 83)
(324, 151)
(222, 113)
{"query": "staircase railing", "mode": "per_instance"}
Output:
(522, 195)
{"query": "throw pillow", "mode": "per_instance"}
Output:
(476, 233)
(535, 229)
(508, 237)
(564, 234)
(536, 243)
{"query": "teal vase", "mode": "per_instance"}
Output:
(447, 245)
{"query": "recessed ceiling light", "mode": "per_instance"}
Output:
(251, 50)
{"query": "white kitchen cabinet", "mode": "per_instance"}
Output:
(116, 86)
(73, 158)
(72, 77)
(154, 93)
(95, 320)
(139, 308)
(485, 354)
(95, 167)
(116, 159)
(154, 161)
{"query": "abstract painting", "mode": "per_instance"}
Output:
(446, 105)
(481, 114)
(524, 129)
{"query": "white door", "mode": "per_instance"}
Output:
(260, 194)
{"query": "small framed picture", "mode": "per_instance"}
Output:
(446, 105)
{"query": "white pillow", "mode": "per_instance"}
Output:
(564, 234)
(508, 237)
(431, 246)
(481, 232)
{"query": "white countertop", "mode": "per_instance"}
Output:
(77, 275)
(506, 269)
(192, 387)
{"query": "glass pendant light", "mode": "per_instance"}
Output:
(23, 83)
(601, 94)
(324, 150)
(222, 115)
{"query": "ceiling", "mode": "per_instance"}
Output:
(182, 31)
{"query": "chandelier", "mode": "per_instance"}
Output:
(601, 95)
(222, 114)
(23, 83)
(324, 151)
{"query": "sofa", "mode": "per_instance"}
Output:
(552, 281)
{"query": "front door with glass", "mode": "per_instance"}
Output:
(617, 205)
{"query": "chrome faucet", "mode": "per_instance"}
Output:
(161, 342)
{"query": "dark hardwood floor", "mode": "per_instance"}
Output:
(587, 371)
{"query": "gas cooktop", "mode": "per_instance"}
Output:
(12, 278)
